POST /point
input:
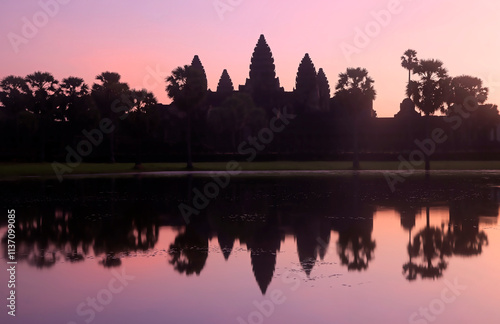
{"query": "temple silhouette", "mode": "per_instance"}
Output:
(226, 116)
(324, 129)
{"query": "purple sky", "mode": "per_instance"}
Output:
(144, 41)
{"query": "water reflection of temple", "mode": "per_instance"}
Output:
(259, 216)
(51, 235)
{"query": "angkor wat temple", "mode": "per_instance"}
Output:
(226, 118)
(324, 126)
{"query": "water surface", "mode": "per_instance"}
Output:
(323, 247)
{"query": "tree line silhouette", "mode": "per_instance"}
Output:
(41, 117)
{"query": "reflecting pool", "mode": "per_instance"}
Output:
(320, 247)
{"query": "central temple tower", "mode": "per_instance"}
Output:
(263, 85)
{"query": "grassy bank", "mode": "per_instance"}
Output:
(45, 169)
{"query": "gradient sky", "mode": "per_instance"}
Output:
(144, 41)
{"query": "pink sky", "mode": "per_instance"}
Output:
(85, 38)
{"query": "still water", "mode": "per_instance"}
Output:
(332, 247)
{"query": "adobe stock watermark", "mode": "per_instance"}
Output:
(492, 83)
(427, 147)
(220, 180)
(31, 27)
(224, 6)
(154, 77)
(437, 306)
(364, 35)
(87, 309)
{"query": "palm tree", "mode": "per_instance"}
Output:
(73, 86)
(187, 87)
(13, 96)
(355, 246)
(75, 102)
(464, 87)
(106, 95)
(143, 102)
(355, 88)
(43, 97)
(430, 92)
(409, 61)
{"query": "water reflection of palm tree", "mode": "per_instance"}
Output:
(50, 234)
(43, 260)
(189, 252)
(467, 240)
(73, 255)
(464, 236)
(111, 261)
(134, 230)
(430, 244)
(408, 216)
(146, 232)
(355, 245)
(37, 240)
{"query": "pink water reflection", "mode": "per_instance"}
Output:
(226, 290)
